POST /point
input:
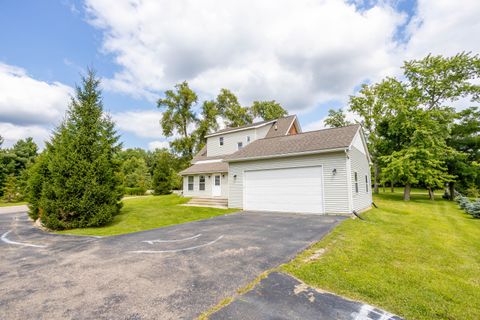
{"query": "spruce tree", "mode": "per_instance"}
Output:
(81, 187)
(10, 189)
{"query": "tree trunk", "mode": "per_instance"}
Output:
(451, 187)
(406, 192)
(375, 177)
(392, 186)
(430, 193)
(383, 185)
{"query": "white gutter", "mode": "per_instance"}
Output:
(208, 161)
(284, 155)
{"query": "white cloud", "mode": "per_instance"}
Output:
(444, 27)
(301, 53)
(158, 145)
(297, 52)
(145, 124)
(27, 101)
(11, 133)
(29, 107)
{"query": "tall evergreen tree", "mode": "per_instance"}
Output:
(81, 185)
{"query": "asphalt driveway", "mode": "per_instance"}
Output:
(175, 272)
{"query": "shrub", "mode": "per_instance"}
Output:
(473, 191)
(135, 191)
(473, 208)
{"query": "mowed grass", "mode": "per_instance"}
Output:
(149, 212)
(418, 259)
(10, 204)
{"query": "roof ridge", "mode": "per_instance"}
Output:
(306, 132)
(250, 125)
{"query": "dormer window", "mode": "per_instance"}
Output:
(221, 141)
(239, 145)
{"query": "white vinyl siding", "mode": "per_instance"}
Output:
(335, 185)
(231, 140)
(362, 195)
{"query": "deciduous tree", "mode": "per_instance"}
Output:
(267, 110)
(178, 117)
(336, 119)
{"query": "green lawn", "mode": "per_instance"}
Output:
(418, 259)
(151, 212)
(9, 204)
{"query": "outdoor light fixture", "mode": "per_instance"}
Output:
(334, 171)
(234, 175)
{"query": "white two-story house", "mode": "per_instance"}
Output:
(274, 166)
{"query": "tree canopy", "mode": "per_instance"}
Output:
(410, 123)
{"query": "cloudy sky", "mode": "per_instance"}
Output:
(309, 55)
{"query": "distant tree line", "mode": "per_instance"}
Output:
(415, 135)
(14, 163)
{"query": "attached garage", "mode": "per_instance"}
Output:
(296, 189)
(318, 172)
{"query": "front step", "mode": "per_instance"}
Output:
(208, 202)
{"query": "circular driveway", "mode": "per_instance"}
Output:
(174, 272)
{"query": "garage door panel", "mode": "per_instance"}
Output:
(287, 189)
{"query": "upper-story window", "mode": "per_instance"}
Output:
(221, 141)
(248, 138)
(240, 145)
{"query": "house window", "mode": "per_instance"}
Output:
(248, 138)
(217, 180)
(190, 183)
(221, 141)
(201, 184)
(356, 182)
(366, 183)
(239, 145)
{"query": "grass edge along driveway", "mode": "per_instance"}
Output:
(418, 259)
(150, 212)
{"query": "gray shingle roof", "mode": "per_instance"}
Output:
(206, 168)
(311, 141)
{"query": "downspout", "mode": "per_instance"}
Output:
(349, 181)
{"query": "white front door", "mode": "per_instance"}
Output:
(286, 189)
(216, 186)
